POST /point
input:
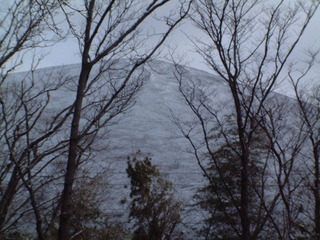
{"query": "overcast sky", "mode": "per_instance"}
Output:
(67, 51)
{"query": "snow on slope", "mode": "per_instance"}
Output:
(148, 127)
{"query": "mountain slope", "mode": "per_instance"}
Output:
(149, 128)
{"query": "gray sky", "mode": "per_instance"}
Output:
(67, 51)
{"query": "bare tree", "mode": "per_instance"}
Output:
(110, 43)
(309, 114)
(111, 73)
(248, 44)
(286, 139)
(31, 140)
(23, 26)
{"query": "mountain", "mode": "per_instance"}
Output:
(149, 127)
(146, 129)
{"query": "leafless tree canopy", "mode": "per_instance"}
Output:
(112, 57)
(248, 44)
(263, 174)
(23, 26)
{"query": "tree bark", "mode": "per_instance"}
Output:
(8, 196)
(66, 199)
(244, 207)
(316, 191)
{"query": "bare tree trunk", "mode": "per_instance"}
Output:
(251, 73)
(109, 32)
(8, 196)
(25, 130)
(244, 181)
(244, 207)
(66, 198)
(316, 191)
(309, 108)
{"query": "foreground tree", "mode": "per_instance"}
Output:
(220, 198)
(31, 141)
(153, 207)
(248, 45)
(88, 220)
(308, 103)
(23, 26)
(286, 140)
(108, 41)
(109, 44)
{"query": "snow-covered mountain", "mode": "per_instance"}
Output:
(148, 128)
